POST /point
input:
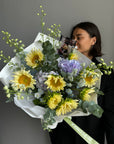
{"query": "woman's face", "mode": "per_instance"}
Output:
(84, 41)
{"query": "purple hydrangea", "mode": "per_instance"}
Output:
(40, 79)
(69, 65)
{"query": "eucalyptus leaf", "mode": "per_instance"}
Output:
(48, 118)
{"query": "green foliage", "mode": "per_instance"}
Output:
(106, 68)
(12, 43)
(91, 107)
(95, 109)
(10, 99)
(50, 63)
(15, 66)
(18, 66)
(42, 14)
(54, 31)
(10, 92)
(5, 59)
(47, 48)
(97, 91)
(48, 119)
(39, 102)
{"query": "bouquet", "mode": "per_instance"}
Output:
(51, 80)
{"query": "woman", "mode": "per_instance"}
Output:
(88, 40)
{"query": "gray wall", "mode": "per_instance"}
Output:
(19, 18)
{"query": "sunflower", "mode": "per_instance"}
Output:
(54, 100)
(66, 106)
(34, 57)
(90, 80)
(55, 82)
(73, 56)
(23, 80)
(86, 94)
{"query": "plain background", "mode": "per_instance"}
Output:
(19, 17)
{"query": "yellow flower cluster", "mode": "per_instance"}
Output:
(55, 82)
(34, 57)
(73, 56)
(67, 106)
(54, 100)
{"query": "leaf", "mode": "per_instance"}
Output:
(48, 119)
(47, 46)
(92, 107)
(95, 109)
(10, 99)
(85, 104)
(38, 102)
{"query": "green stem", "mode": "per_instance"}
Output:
(83, 134)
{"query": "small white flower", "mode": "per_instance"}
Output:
(39, 93)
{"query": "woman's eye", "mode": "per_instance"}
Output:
(78, 38)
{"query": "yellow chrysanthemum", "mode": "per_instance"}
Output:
(54, 100)
(73, 56)
(34, 57)
(90, 78)
(23, 80)
(55, 83)
(86, 94)
(90, 81)
(67, 106)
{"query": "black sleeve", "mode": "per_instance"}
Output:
(108, 115)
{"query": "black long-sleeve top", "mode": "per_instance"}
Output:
(95, 127)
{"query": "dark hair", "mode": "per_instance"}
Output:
(93, 31)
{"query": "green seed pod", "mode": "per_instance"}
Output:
(45, 14)
(111, 62)
(99, 64)
(106, 72)
(43, 23)
(102, 59)
(109, 72)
